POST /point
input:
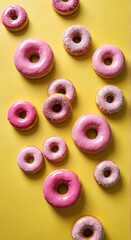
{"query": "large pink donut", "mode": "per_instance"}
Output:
(54, 180)
(34, 166)
(65, 7)
(108, 52)
(34, 47)
(29, 119)
(14, 18)
(103, 138)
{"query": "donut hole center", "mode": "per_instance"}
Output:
(91, 133)
(62, 90)
(62, 188)
(34, 57)
(65, 0)
(54, 148)
(57, 108)
(87, 233)
(13, 15)
(22, 114)
(108, 61)
(107, 173)
(30, 159)
(76, 38)
(110, 99)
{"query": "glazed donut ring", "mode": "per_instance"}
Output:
(65, 7)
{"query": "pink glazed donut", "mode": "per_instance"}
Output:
(52, 183)
(77, 40)
(28, 49)
(24, 162)
(65, 7)
(57, 108)
(103, 138)
(63, 86)
(107, 174)
(88, 227)
(14, 18)
(55, 149)
(116, 58)
(110, 99)
(22, 115)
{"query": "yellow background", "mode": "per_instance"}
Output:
(25, 215)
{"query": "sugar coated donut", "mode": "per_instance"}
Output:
(108, 61)
(55, 149)
(30, 160)
(110, 99)
(77, 40)
(88, 227)
(22, 115)
(63, 86)
(37, 49)
(14, 18)
(65, 7)
(57, 108)
(51, 189)
(107, 174)
(98, 123)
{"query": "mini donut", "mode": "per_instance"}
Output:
(107, 174)
(65, 7)
(77, 40)
(115, 96)
(116, 61)
(88, 227)
(14, 18)
(98, 123)
(24, 157)
(28, 49)
(57, 108)
(63, 86)
(22, 115)
(54, 181)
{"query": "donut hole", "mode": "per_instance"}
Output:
(107, 173)
(54, 148)
(62, 188)
(108, 60)
(34, 57)
(65, 0)
(62, 90)
(13, 15)
(76, 38)
(110, 99)
(22, 114)
(87, 233)
(30, 159)
(91, 133)
(56, 108)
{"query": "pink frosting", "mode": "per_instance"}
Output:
(14, 11)
(115, 105)
(85, 40)
(92, 121)
(22, 123)
(63, 84)
(65, 7)
(57, 100)
(113, 177)
(88, 223)
(117, 65)
(37, 163)
(62, 200)
(31, 47)
(57, 142)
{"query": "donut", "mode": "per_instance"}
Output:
(55, 149)
(107, 174)
(110, 99)
(108, 61)
(14, 18)
(88, 227)
(30, 160)
(63, 86)
(77, 40)
(37, 49)
(22, 115)
(57, 108)
(51, 189)
(94, 122)
(65, 7)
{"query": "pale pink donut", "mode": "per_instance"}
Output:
(63, 86)
(57, 108)
(29, 48)
(90, 225)
(34, 166)
(29, 119)
(14, 18)
(54, 180)
(65, 7)
(107, 174)
(60, 149)
(117, 99)
(103, 138)
(116, 56)
(80, 32)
